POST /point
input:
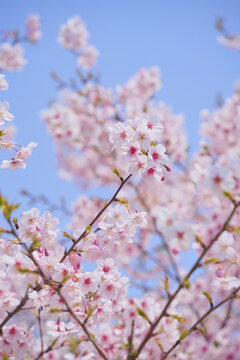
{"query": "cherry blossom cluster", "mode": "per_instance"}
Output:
(12, 51)
(36, 228)
(33, 27)
(18, 160)
(114, 233)
(11, 57)
(232, 41)
(140, 87)
(74, 36)
(178, 234)
(80, 123)
(137, 140)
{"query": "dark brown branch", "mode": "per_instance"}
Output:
(181, 285)
(18, 307)
(95, 219)
(40, 328)
(58, 291)
(165, 245)
(130, 342)
(199, 321)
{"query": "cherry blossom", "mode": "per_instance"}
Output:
(5, 115)
(73, 35)
(33, 25)
(11, 57)
(223, 247)
(232, 41)
(88, 58)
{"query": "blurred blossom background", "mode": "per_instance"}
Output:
(178, 36)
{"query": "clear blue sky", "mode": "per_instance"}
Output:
(178, 36)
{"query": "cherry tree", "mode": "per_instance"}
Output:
(164, 202)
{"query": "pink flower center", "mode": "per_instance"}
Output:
(123, 135)
(87, 281)
(132, 150)
(217, 179)
(12, 331)
(155, 156)
(151, 171)
(180, 235)
(106, 269)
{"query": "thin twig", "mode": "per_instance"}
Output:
(165, 245)
(130, 341)
(199, 321)
(58, 291)
(40, 328)
(181, 285)
(18, 307)
(84, 233)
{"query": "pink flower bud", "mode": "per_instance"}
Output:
(220, 272)
(74, 259)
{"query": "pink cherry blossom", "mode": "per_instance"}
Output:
(5, 115)
(223, 248)
(11, 57)
(33, 27)
(73, 35)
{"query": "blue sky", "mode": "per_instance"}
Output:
(178, 36)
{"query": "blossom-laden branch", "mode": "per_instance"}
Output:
(50, 348)
(47, 281)
(165, 244)
(85, 232)
(185, 280)
(194, 327)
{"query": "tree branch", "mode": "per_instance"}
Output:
(123, 182)
(181, 285)
(194, 326)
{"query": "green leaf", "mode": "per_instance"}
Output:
(73, 344)
(88, 229)
(2, 133)
(178, 318)
(15, 221)
(184, 334)
(55, 310)
(227, 194)
(166, 283)
(123, 202)
(143, 314)
(116, 172)
(4, 356)
(208, 296)
(68, 236)
(199, 240)
(202, 331)
(159, 345)
(24, 270)
(211, 260)
(7, 208)
(187, 284)
(53, 342)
